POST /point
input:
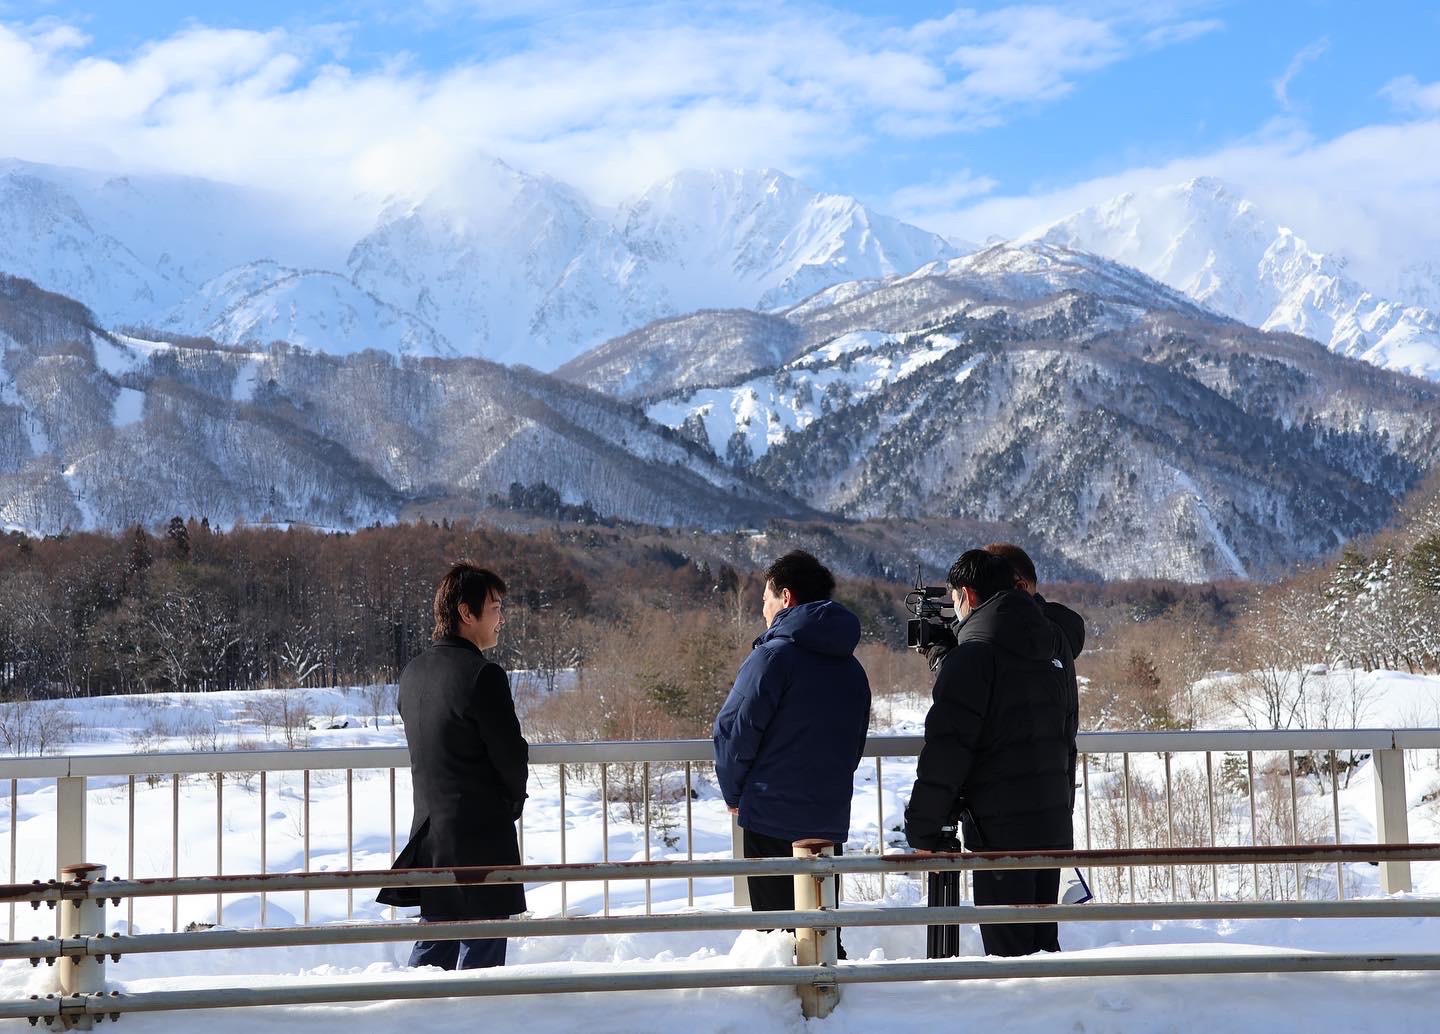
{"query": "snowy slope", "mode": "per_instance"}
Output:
(1202, 237)
(262, 302)
(45, 236)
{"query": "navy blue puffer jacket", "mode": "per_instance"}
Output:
(789, 736)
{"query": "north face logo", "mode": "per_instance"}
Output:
(1056, 661)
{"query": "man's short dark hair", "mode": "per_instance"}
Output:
(1019, 559)
(464, 583)
(806, 577)
(986, 573)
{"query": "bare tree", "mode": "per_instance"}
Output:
(1279, 642)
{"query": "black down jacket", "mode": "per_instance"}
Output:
(469, 764)
(1000, 732)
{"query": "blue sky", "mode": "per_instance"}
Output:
(970, 119)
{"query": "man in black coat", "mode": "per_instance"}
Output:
(468, 765)
(1028, 580)
(1071, 624)
(998, 745)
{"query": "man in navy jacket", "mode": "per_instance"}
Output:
(789, 736)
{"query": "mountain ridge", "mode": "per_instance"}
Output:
(1203, 238)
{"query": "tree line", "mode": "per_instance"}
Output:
(656, 622)
(191, 608)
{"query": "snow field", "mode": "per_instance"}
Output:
(1279, 1003)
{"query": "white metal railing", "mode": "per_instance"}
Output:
(1109, 792)
(83, 946)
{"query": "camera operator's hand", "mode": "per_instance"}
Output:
(944, 642)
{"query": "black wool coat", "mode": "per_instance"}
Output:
(999, 737)
(469, 765)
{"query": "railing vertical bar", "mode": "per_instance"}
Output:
(219, 842)
(392, 827)
(1170, 824)
(14, 841)
(1210, 799)
(350, 838)
(646, 790)
(880, 817)
(1295, 827)
(605, 832)
(1129, 829)
(305, 812)
(264, 842)
(689, 836)
(1085, 783)
(129, 855)
(564, 885)
(175, 849)
(1254, 832)
(1335, 808)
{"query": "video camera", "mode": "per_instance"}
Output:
(933, 610)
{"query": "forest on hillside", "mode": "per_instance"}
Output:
(656, 622)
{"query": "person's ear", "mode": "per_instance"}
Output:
(467, 616)
(787, 598)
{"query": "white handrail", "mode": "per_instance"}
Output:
(333, 758)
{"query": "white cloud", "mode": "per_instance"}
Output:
(1369, 194)
(606, 104)
(927, 203)
(1410, 95)
(1181, 32)
(1307, 54)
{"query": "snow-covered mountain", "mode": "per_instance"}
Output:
(264, 302)
(499, 264)
(1110, 418)
(130, 247)
(699, 348)
(102, 431)
(706, 349)
(764, 237)
(1204, 238)
(521, 268)
(1027, 392)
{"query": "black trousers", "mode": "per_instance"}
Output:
(476, 953)
(777, 893)
(1018, 887)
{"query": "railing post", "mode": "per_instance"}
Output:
(816, 946)
(737, 851)
(1392, 823)
(81, 974)
(69, 821)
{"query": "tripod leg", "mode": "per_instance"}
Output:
(952, 932)
(942, 941)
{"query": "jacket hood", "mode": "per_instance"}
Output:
(1069, 622)
(823, 627)
(1015, 623)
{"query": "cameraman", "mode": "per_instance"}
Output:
(997, 737)
(1063, 618)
